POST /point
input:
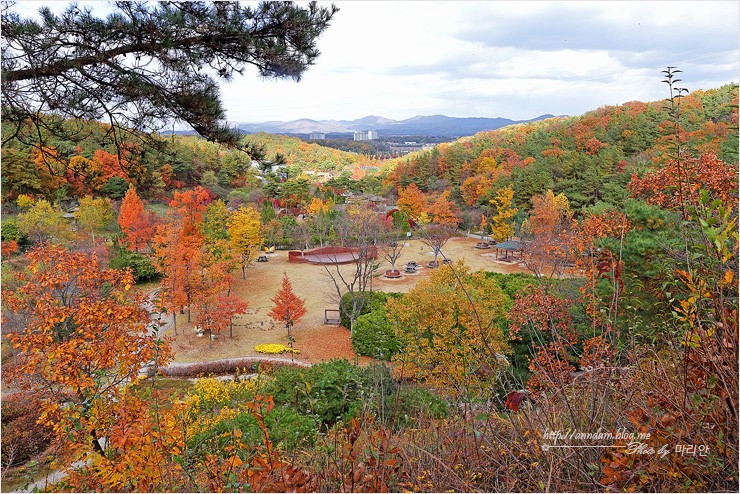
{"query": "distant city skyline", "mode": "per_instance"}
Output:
(510, 59)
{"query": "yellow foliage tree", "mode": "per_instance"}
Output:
(94, 213)
(42, 221)
(245, 232)
(501, 221)
(450, 325)
(318, 206)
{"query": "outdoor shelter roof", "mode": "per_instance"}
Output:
(510, 245)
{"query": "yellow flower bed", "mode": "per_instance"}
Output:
(211, 401)
(274, 348)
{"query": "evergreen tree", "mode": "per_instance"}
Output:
(146, 64)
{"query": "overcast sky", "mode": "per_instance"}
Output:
(512, 59)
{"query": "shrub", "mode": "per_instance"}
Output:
(141, 266)
(237, 197)
(211, 393)
(21, 436)
(229, 366)
(413, 403)
(9, 230)
(513, 283)
(375, 300)
(374, 336)
(287, 428)
(329, 390)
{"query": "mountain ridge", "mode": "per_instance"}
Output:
(429, 125)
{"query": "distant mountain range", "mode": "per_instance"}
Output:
(435, 125)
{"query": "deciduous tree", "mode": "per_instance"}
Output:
(245, 231)
(412, 202)
(136, 224)
(436, 236)
(288, 308)
(362, 229)
(94, 213)
(473, 188)
(552, 226)
(444, 211)
(451, 328)
(42, 221)
(501, 221)
(85, 334)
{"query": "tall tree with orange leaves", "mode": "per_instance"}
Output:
(411, 201)
(136, 224)
(444, 211)
(83, 335)
(552, 227)
(191, 205)
(288, 308)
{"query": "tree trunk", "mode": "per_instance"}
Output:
(96, 443)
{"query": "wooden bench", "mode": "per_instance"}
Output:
(332, 316)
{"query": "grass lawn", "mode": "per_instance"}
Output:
(160, 209)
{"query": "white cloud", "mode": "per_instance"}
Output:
(512, 59)
(497, 58)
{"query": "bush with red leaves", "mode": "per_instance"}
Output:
(22, 437)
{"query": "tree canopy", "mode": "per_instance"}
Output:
(147, 64)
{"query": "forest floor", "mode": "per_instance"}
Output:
(316, 341)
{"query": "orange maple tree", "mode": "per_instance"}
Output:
(191, 206)
(84, 335)
(473, 188)
(444, 211)
(136, 224)
(411, 201)
(287, 304)
(211, 282)
(288, 308)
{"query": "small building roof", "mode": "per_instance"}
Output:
(510, 245)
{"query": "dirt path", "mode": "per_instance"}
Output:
(316, 341)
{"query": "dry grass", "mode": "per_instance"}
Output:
(316, 341)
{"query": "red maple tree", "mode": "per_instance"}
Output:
(288, 306)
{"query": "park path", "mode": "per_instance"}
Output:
(160, 322)
(51, 478)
